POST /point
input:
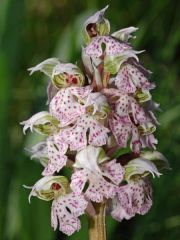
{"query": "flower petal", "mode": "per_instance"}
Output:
(65, 210)
(135, 197)
(113, 47)
(57, 159)
(76, 136)
(114, 171)
(129, 79)
(140, 166)
(78, 180)
(46, 66)
(100, 188)
(124, 34)
(65, 107)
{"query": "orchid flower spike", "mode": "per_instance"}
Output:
(100, 123)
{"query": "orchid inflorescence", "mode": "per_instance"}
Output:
(100, 125)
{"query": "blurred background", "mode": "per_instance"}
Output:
(30, 32)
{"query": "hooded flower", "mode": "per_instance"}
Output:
(66, 206)
(42, 122)
(132, 198)
(96, 25)
(103, 178)
(61, 74)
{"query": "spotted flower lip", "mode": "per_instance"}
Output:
(129, 79)
(42, 122)
(132, 198)
(96, 25)
(66, 106)
(99, 187)
(65, 210)
(50, 187)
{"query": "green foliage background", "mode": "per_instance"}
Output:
(31, 31)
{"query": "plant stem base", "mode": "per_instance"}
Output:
(97, 223)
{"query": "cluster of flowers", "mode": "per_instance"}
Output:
(99, 124)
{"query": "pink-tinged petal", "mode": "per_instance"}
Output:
(149, 141)
(65, 107)
(123, 130)
(76, 136)
(135, 143)
(113, 171)
(69, 226)
(57, 159)
(65, 211)
(78, 180)
(120, 130)
(123, 81)
(89, 160)
(97, 134)
(100, 188)
(135, 197)
(119, 212)
(130, 78)
(81, 92)
(113, 47)
(137, 111)
(94, 49)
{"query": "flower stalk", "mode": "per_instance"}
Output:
(97, 223)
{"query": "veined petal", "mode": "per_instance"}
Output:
(140, 166)
(50, 187)
(42, 123)
(46, 66)
(65, 211)
(56, 154)
(96, 25)
(124, 34)
(65, 107)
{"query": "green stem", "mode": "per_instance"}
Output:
(97, 223)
